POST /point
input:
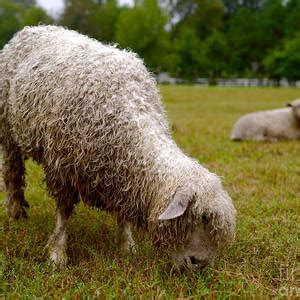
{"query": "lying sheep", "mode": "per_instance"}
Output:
(270, 125)
(91, 115)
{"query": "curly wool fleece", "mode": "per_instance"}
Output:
(92, 116)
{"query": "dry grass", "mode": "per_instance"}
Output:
(263, 180)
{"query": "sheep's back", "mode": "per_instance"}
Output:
(76, 100)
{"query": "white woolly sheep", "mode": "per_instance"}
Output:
(91, 115)
(270, 125)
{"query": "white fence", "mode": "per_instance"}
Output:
(165, 78)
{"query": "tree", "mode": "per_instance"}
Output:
(233, 5)
(76, 16)
(292, 23)
(270, 20)
(10, 20)
(189, 60)
(106, 16)
(285, 61)
(142, 28)
(36, 15)
(215, 51)
(252, 4)
(196, 58)
(14, 16)
(97, 19)
(242, 38)
(25, 3)
(252, 33)
(269, 32)
(204, 15)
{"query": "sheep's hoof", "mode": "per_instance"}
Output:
(58, 255)
(127, 246)
(16, 209)
(58, 258)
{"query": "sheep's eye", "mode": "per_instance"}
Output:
(205, 220)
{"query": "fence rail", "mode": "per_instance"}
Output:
(165, 78)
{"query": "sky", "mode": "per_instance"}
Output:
(54, 7)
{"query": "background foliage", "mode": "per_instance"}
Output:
(187, 38)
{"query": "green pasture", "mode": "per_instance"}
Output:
(262, 178)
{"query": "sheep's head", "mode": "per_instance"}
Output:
(213, 218)
(295, 105)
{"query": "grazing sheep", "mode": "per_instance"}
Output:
(91, 115)
(270, 125)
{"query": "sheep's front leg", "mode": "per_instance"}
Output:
(57, 242)
(124, 236)
(66, 197)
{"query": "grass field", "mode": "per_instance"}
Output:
(263, 180)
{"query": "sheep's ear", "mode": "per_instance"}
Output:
(177, 207)
(289, 104)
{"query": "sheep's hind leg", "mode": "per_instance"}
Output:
(14, 179)
(124, 236)
(57, 243)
